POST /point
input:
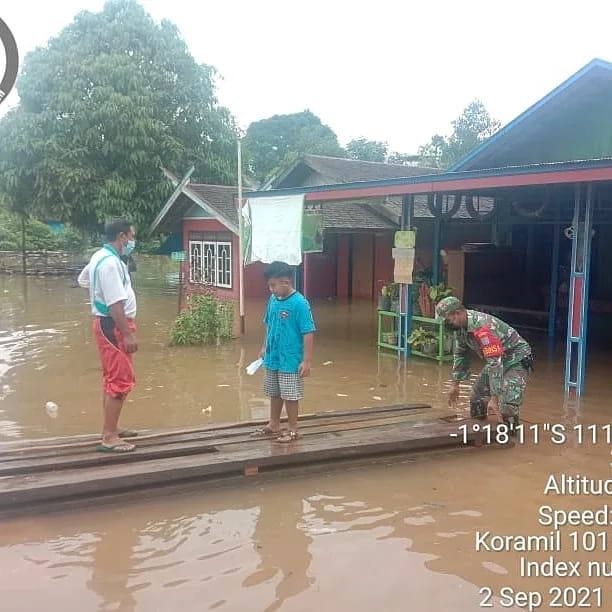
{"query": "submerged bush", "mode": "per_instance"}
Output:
(208, 320)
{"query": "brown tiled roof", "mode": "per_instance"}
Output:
(219, 197)
(336, 215)
(353, 216)
(336, 170)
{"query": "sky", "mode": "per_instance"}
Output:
(397, 71)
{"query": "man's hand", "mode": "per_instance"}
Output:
(493, 408)
(304, 370)
(131, 346)
(262, 353)
(453, 394)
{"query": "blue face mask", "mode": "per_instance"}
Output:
(128, 249)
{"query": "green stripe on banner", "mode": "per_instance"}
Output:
(312, 228)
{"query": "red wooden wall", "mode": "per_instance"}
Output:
(320, 271)
(255, 285)
(326, 274)
(342, 265)
(211, 225)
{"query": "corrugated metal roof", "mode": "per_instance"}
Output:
(477, 158)
(605, 162)
(343, 170)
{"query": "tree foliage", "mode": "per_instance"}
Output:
(367, 150)
(273, 143)
(107, 102)
(470, 129)
(38, 236)
(403, 159)
(378, 151)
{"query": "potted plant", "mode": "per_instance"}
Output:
(390, 338)
(384, 299)
(394, 295)
(430, 346)
(423, 340)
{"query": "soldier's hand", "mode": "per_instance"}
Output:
(453, 395)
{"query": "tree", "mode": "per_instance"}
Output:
(107, 102)
(273, 143)
(403, 159)
(20, 135)
(367, 150)
(470, 129)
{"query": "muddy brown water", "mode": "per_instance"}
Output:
(391, 534)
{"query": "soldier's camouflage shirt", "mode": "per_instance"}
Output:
(492, 340)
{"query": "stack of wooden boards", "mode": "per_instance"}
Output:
(46, 470)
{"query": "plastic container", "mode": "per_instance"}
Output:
(253, 367)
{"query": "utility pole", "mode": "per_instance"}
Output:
(240, 237)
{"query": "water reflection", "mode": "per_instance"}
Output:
(112, 566)
(282, 544)
(356, 539)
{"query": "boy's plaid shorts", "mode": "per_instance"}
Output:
(286, 386)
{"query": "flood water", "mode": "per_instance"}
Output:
(392, 534)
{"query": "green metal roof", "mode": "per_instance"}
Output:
(570, 122)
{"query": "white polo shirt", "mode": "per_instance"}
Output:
(108, 281)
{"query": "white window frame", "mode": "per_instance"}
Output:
(211, 273)
(192, 250)
(223, 274)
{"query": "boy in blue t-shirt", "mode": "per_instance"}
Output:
(286, 351)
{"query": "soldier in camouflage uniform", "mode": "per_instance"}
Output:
(508, 360)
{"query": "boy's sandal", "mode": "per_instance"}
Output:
(265, 432)
(115, 447)
(287, 436)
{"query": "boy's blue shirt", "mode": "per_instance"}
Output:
(287, 321)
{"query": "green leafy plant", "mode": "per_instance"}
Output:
(439, 292)
(391, 291)
(390, 338)
(420, 337)
(208, 320)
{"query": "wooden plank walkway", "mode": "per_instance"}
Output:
(50, 470)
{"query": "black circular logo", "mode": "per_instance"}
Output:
(12, 60)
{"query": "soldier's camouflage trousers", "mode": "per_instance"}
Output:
(515, 381)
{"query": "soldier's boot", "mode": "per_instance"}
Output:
(511, 419)
(478, 409)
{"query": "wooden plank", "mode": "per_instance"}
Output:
(210, 442)
(206, 435)
(21, 445)
(78, 483)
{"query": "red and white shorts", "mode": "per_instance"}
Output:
(117, 369)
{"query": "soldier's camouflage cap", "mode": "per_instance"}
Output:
(447, 306)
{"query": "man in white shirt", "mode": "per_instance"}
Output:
(113, 305)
